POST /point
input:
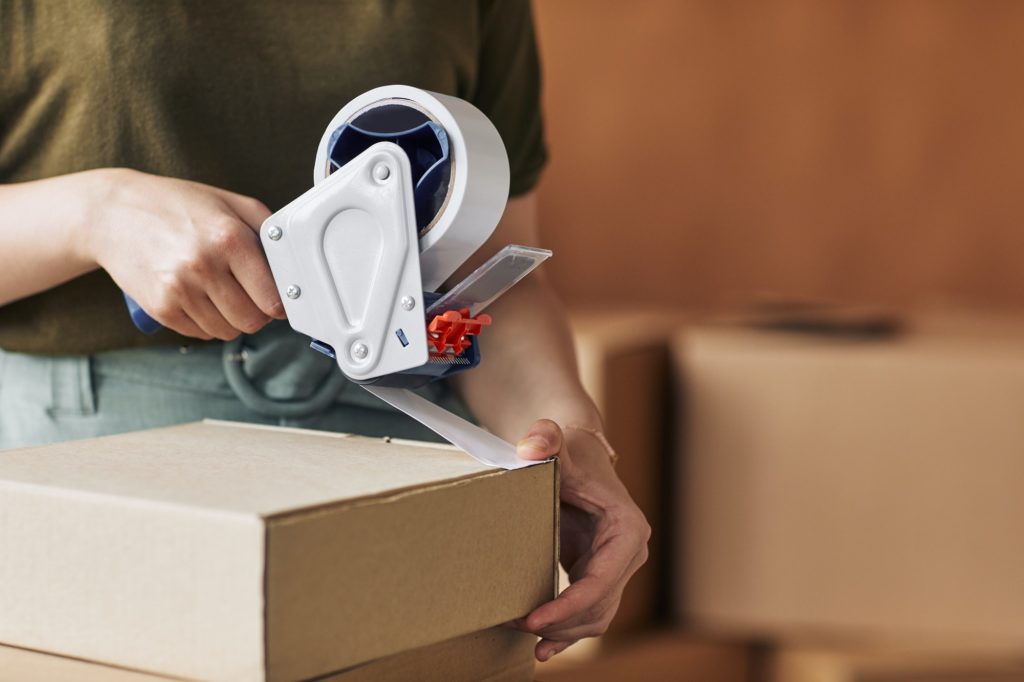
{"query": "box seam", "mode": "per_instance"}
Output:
(384, 497)
(557, 540)
(115, 666)
(326, 434)
(264, 597)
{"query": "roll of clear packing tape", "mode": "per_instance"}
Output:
(463, 180)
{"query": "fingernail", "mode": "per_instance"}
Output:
(277, 310)
(537, 443)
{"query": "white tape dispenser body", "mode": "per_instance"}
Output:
(407, 185)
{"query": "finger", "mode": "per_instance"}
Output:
(572, 604)
(583, 602)
(192, 330)
(602, 581)
(516, 624)
(250, 269)
(542, 441)
(589, 628)
(206, 315)
(252, 211)
(592, 622)
(248, 262)
(180, 322)
(586, 607)
(235, 306)
(547, 648)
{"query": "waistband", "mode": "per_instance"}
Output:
(274, 373)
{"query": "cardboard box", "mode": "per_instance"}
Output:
(493, 655)
(868, 486)
(892, 662)
(230, 552)
(624, 366)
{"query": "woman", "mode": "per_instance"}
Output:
(140, 144)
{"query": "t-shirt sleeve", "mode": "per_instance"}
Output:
(508, 86)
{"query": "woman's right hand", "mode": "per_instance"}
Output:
(188, 253)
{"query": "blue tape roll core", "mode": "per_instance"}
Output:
(424, 142)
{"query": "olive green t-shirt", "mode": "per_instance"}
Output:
(233, 94)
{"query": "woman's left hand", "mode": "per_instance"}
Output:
(603, 537)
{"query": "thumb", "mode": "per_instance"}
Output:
(542, 441)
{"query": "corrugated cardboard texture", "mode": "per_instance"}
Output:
(165, 550)
(493, 655)
(854, 486)
(236, 467)
(354, 570)
(140, 584)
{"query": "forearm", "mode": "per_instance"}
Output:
(528, 370)
(41, 232)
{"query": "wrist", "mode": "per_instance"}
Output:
(570, 407)
(96, 201)
(591, 439)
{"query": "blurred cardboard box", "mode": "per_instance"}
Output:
(889, 662)
(624, 365)
(229, 552)
(495, 655)
(875, 486)
(664, 657)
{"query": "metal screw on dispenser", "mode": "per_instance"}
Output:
(408, 303)
(274, 233)
(360, 350)
(293, 291)
(381, 172)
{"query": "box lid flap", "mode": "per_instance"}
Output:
(235, 467)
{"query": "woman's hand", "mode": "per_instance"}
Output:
(188, 253)
(603, 534)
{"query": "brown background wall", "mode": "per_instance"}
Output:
(706, 151)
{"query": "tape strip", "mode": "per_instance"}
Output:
(481, 445)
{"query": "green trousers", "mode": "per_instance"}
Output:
(269, 378)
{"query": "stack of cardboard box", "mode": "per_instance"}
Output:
(853, 484)
(494, 655)
(226, 552)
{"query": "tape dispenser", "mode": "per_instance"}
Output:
(408, 184)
